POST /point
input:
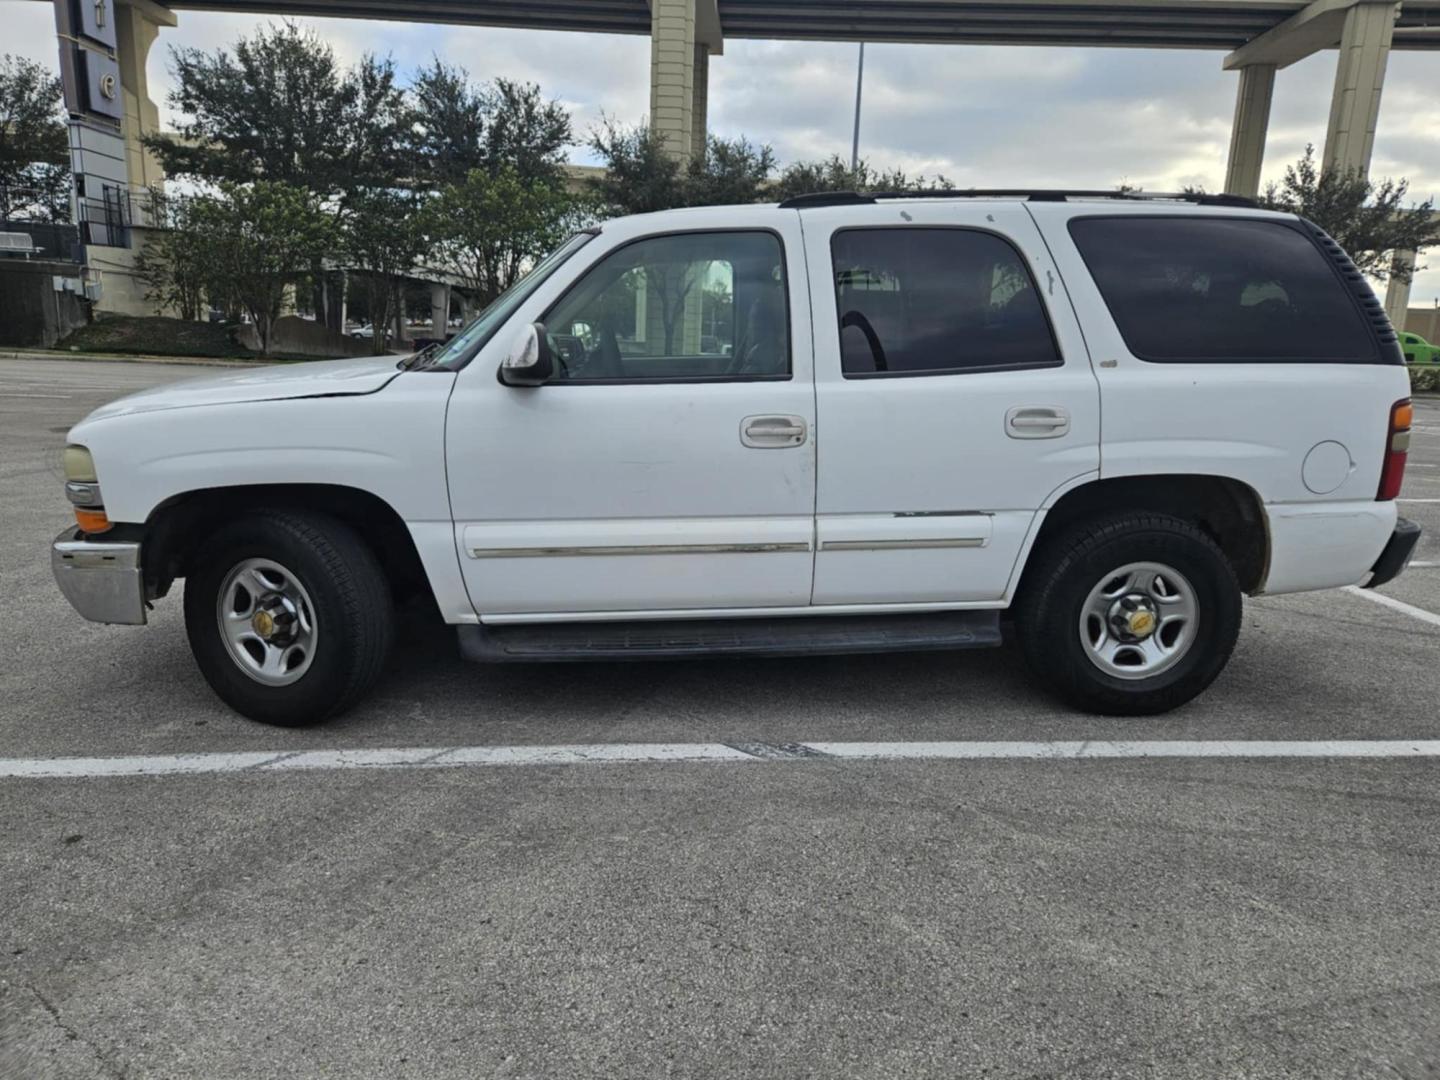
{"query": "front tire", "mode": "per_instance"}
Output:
(289, 616)
(1129, 615)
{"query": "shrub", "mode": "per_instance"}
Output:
(1425, 379)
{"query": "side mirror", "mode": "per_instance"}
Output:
(529, 362)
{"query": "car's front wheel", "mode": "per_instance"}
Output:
(1129, 615)
(289, 616)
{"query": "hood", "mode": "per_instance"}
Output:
(317, 378)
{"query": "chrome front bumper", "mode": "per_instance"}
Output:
(102, 580)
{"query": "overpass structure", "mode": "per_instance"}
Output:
(1258, 38)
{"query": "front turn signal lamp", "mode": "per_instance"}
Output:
(83, 488)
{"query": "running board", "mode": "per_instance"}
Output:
(676, 638)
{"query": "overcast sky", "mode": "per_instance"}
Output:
(985, 116)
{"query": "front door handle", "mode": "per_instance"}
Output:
(769, 432)
(1037, 422)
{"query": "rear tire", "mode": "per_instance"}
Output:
(1129, 615)
(289, 616)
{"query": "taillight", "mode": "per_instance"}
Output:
(1397, 447)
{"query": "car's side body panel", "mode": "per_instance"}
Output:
(578, 498)
(388, 443)
(924, 494)
(1302, 436)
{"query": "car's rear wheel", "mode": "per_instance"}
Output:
(289, 616)
(1129, 615)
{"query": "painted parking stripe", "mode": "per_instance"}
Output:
(255, 763)
(1395, 605)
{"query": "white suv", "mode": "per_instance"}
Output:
(844, 423)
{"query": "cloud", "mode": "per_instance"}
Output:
(986, 116)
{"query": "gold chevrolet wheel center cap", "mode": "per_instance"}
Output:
(1141, 623)
(263, 623)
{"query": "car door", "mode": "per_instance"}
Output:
(669, 465)
(954, 397)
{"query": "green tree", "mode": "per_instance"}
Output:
(463, 126)
(1368, 218)
(641, 177)
(489, 228)
(281, 107)
(835, 174)
(34, 148)
(261, 238)
(731, 171)
(175, 262)
(381, 236)
(450, 123)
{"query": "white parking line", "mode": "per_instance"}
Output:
(1396, 605)
(656, 753)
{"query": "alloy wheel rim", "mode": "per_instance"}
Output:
(267, 622)
(1139, 620)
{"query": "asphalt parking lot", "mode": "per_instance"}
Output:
(798, 917)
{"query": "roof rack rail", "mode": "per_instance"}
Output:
(858, 198)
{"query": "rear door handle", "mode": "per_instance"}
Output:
(769, 432)
(1037, 422)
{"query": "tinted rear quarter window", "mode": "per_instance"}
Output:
(1211, 289)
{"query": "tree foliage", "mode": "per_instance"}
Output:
(280, 107)
(1368, 218)
(835, 174)
(462, 126)
(381, 236)
(487, 229)
(34, 149)
(261, 238)
(175, 262)
(641, 177)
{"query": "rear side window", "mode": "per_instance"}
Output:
(1190, 290)
(917, 301)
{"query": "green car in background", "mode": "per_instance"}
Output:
(1419, 351)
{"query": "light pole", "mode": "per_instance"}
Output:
(859, 83)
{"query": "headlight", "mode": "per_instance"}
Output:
(79, 465)
(82, 489)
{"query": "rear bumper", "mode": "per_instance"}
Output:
(1396, 555)
(102, 580)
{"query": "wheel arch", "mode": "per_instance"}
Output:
(178, 526)
(1228, 510)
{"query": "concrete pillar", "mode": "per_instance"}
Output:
(672, 75)
(1397, 292)
(1247, 133)
(136, 28)
(1359, 78)
(439, 310)
(700, 100)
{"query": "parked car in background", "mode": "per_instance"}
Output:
(846, 423)
(1418, 351)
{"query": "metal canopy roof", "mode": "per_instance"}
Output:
(1175, 24)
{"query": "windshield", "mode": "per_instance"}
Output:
(472, 338)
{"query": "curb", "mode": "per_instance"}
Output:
(126, 358)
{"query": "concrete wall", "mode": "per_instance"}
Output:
(1425, 322)
(32, 311)
(292, 334)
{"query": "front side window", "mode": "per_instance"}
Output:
(464, 345)
(689, 306)
(1221, 290)
(919, 301)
